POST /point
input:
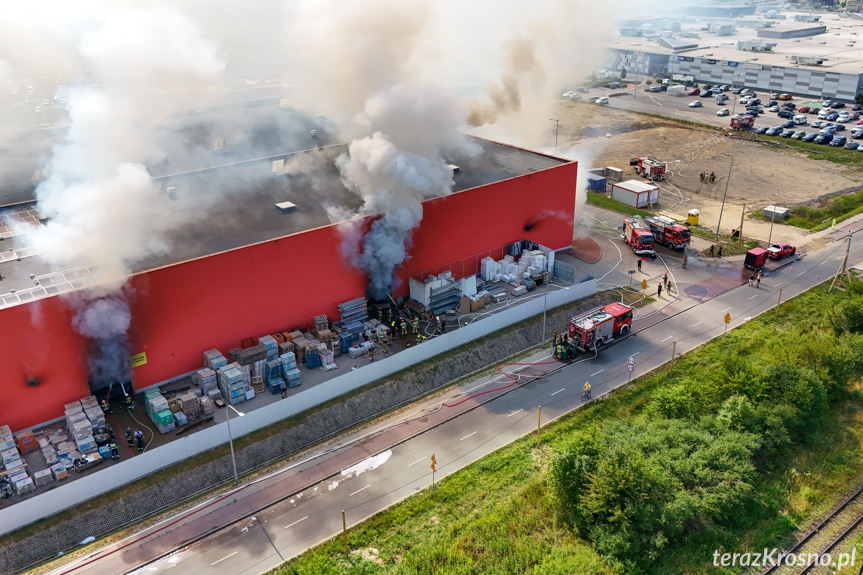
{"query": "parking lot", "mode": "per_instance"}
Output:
(766, 120)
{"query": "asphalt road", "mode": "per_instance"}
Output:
(313, 493)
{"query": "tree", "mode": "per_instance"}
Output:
(622, 73)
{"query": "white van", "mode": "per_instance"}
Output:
(799, 120)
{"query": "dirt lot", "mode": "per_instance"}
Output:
(760, 176)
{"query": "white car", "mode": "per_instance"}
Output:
(843, 118)
(723, 112)
(601, 101)
(695, 104)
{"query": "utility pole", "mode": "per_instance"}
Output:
(740, 229)
(842, 267)
(722, 209)
(772, 219)
(556, 130)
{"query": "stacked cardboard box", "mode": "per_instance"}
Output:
(325, 336)
(59, 472)
(286, 347)
(21, 482)
(301, 346)
(26, 442)
(214, 359)
(269, 342)
(205, 378)
(96, 416)
(164, 421)
(321, 322)
(272, 370)
(231, 385)
(292, 377)
(181, 418)
(10, 458)
(6, 440)
(154, 403)
(42, 477)
(189, 404)
(207, 406)
(326, 356)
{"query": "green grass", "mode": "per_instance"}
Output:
(494, 516)
(820, 218)
(602, 201)
(820, 151)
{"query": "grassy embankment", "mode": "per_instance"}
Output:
(750, 437)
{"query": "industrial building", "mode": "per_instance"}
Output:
(802, 57)
(246, 266)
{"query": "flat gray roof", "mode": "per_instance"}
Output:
(237, 205)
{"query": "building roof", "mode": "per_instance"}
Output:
(842, 45)
(234, 205)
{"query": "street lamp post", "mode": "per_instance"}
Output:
(231, 439)
(772, 218)
(556, 129)
(728, 179)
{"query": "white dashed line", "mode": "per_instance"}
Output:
(666, 339)
(415, 462)
(597, 373)
(358, 490)
(634, 354)
(558, 391)
(725, 310)
(698, 324)
(755, 296)
(511, 414)
(469, 435)
(800, 274)
(223, 558)
(297, 521)
(777, 285)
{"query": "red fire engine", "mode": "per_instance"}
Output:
(638, 236)
(650, 168)
(668, 232)
(742, 122)
(600, 325)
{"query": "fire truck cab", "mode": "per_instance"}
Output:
(668, 232)
(598, 326)
(742, 122)
(638, 236)
(650, 168)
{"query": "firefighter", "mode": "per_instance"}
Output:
(558, 351)
(665, 280)
(415, 324)
(659, 291)
(139, 439)
(393, 330)
(389, 314)
(130, 438)
(684, 261)
(106, 408)
(554, 339)
(380, 314)
(115, 451)
(437, 322)
(384, 342)
(404, 326)
(371, 353)
(443, 325)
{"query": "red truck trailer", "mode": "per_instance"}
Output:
(668, 232)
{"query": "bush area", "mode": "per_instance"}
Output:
(820, 151)
(749, 438)
(839, 208)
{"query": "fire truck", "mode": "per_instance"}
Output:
(742, 122)
(650, 168)
(668, 232)
(638, 236)
(594, 328)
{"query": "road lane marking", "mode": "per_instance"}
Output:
(558, 391)
(415, 462)
(297, 521)
(223, 558)
(800, 274)
(725, 310)
(597, 373)
(698, 324)
(466, 436)
(510, 415)
(777, 285)
(358, 490)
(756, 295)
(666, 339)
(634, 354)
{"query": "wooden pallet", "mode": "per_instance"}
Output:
(258, 384)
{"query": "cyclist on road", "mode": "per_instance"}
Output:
(587, 388)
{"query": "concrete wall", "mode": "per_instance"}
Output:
(101, 521)
(216, 302)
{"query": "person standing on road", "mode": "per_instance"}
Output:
(639, 264)
(758, 281)
(665, 280)
(720, 251)
(751, 280)
(659, 291)
(685, 259)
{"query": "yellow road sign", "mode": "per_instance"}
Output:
(433, 468)
(728, 318)
(433, 459)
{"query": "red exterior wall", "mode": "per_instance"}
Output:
(215, 302)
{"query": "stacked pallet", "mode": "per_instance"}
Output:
(324, 336)
(205, 379)
(154, 403)
(353, 311)
(67, 454)
(313, 359)
(79, 427)
(286, 347)
(46, 447)
(326, 356)
(180, 418)
(346, 340)
(301, 346)
(164, 421)
(321, 322)
(272, 347)
(214, 359)
(189, 404)
(208, 407)
(11, 459)
(231, 385)
(292, 377)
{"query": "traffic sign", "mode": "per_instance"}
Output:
(630, 367)
(433, 468)
(631, 272)
(631, 360)
(728, 318)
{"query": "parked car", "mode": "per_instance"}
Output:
(756, 101)
(854, 116)
(810, 137)
(843, 118)
(663, 88)
(601, 101)
(826, 103)
(762, 130)
(774, 131)
(818, 124)
(721, 99)
(851, 145)
(839, 127)
(693, 92)
(798, 135)
(838, 141)
(857, 133)
(828, 129)
(857, 107)
(774, 95)
(787, 133)
(803, 109)
(785, 97)
(823, 138)
(785, 114)
(743, 101)
(788, 124)
(695, 104)
(773, 109)
(814, 110)
(705, 94)
(832, 117)
(737, 90)
(723, 112)
(837, 105)
(799, 119)
(780, 250)
(655, 89)
(788, 106)
(754, 110)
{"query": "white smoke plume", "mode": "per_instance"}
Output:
(101, 203)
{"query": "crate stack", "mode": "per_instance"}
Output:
(47, 448)
(273, 375)
(10, 459)
(208, 407)
(301, 345)
(251, 361)
(313, 359)
(205, 379)
(79, 427)
(93, 412)
(272, 347)
(154, 402)
(354, 311)
(289, 369)
(231, 385)
(189, 404)
(214, 359)
(286, 347)
(326, 356)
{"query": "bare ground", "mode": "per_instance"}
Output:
(761, 175)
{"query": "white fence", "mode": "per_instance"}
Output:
(80, 490)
